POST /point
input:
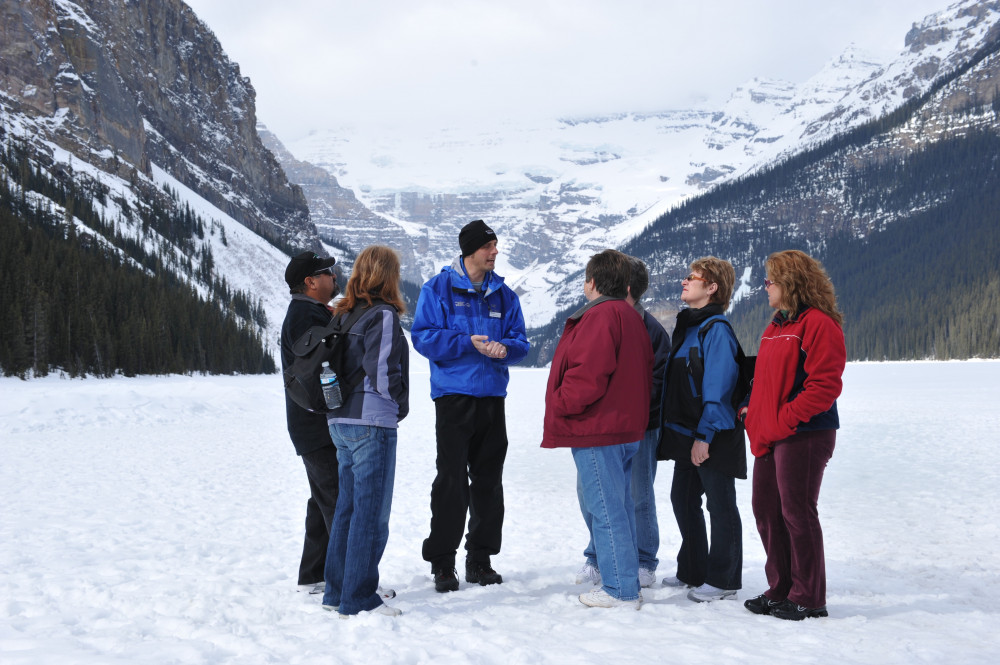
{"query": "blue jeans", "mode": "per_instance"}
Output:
(646, 525)
(720, 565)
(367, 459)
(604, 474)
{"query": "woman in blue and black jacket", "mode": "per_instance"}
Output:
(700, 434)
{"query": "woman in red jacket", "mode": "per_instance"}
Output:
(792, 424)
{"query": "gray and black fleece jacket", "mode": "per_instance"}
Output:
(376, 346)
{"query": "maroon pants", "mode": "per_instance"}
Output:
(785, 491)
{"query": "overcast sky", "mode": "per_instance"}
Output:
(323, 63)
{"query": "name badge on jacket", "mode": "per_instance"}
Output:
(495, 315)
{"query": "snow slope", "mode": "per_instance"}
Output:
(158, 520)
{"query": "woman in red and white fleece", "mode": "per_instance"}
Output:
(792, 424)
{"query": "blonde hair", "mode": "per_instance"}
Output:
(803, 283)
(375, 275)
(719, 272)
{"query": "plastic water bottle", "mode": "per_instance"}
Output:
(331, 387)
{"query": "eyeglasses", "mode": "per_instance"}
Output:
(324, 271)
(767, 283)
(693, 277)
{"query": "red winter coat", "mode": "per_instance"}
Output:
(797, 379)
(600, 379)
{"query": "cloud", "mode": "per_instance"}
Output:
(321, 64)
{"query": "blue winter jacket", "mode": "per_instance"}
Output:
(448, 313)
(720, 375)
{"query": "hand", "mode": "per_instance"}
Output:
(488, 348)
(743, 414)
(699, 452)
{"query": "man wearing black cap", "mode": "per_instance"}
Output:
(468, 323)
(312, 283)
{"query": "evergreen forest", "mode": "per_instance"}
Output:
(101, 303)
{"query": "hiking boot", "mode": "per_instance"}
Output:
(647, 578)
(386, 593)
(480, 572)
(589, 573)
(601, 598)
(790, 611)
(707, 593)
(761, 604)
(445, 579)
(672, 581)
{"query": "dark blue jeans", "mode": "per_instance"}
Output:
(367, 457)
(720, 565)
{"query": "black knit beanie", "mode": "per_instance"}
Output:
(474, 235)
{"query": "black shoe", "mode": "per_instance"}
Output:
(445, 579)
(480, 572)
(792, 612)
(762, 604)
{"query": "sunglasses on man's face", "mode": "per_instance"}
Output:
(324, 271)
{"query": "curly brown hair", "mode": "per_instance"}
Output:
(803, 282)
(719, 272)
(375, 275)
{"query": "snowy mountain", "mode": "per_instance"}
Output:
(558, 190)
(136, 104)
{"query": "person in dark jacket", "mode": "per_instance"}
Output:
(644, 462)
(792, 424)
(597, 404)
(364, 431)
(312, 283)
(700, 434)
(469, 325)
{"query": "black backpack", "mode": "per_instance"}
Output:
(747, 364)
(317, 345)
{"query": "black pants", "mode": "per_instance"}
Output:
(721, 562)
(322, 470)
(471, 449)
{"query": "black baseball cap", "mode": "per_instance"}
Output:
(305, 264)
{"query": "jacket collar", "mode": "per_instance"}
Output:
(304, 298)
(781, 318)
(575, 316)
(692, 318)
(460, 278)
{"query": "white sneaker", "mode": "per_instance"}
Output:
(647, 577)
(386, 610)
(386, 593)
(589, 573)
(313, 589)
(383, 609)
(672, 581)
(601, 598)
(706, 593)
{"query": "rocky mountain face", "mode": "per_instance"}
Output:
(557, 191)
(125, 87)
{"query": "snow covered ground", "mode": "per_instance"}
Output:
(158, 520)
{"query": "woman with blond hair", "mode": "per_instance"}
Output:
(364, 431)
(792, 424)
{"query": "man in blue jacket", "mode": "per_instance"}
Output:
(469, 324)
